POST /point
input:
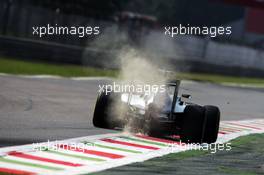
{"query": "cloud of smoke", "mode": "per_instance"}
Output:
(105, 49)
(138, 64)
(136, 68)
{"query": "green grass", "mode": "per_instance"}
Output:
(246, 139)
(229, 170)
(253, 138)
(186, 154)
(221, 78)
(13, 66)
(244, 142)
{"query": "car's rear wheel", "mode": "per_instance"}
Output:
(212, 115)
(104, 114)
(193, 124)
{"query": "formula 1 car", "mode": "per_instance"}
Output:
(158, 114)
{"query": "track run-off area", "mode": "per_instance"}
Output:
(100, 152)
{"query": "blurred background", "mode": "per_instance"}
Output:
(140, 25)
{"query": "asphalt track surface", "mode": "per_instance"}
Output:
(38, 110)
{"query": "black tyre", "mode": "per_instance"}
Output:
(212, 115)
(193, 124)
(103, 116)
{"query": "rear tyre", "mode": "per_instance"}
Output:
(103, 115)
(212, 114)
(193, 123)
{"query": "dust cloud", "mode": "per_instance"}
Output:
(137, 69)
(138, 64)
